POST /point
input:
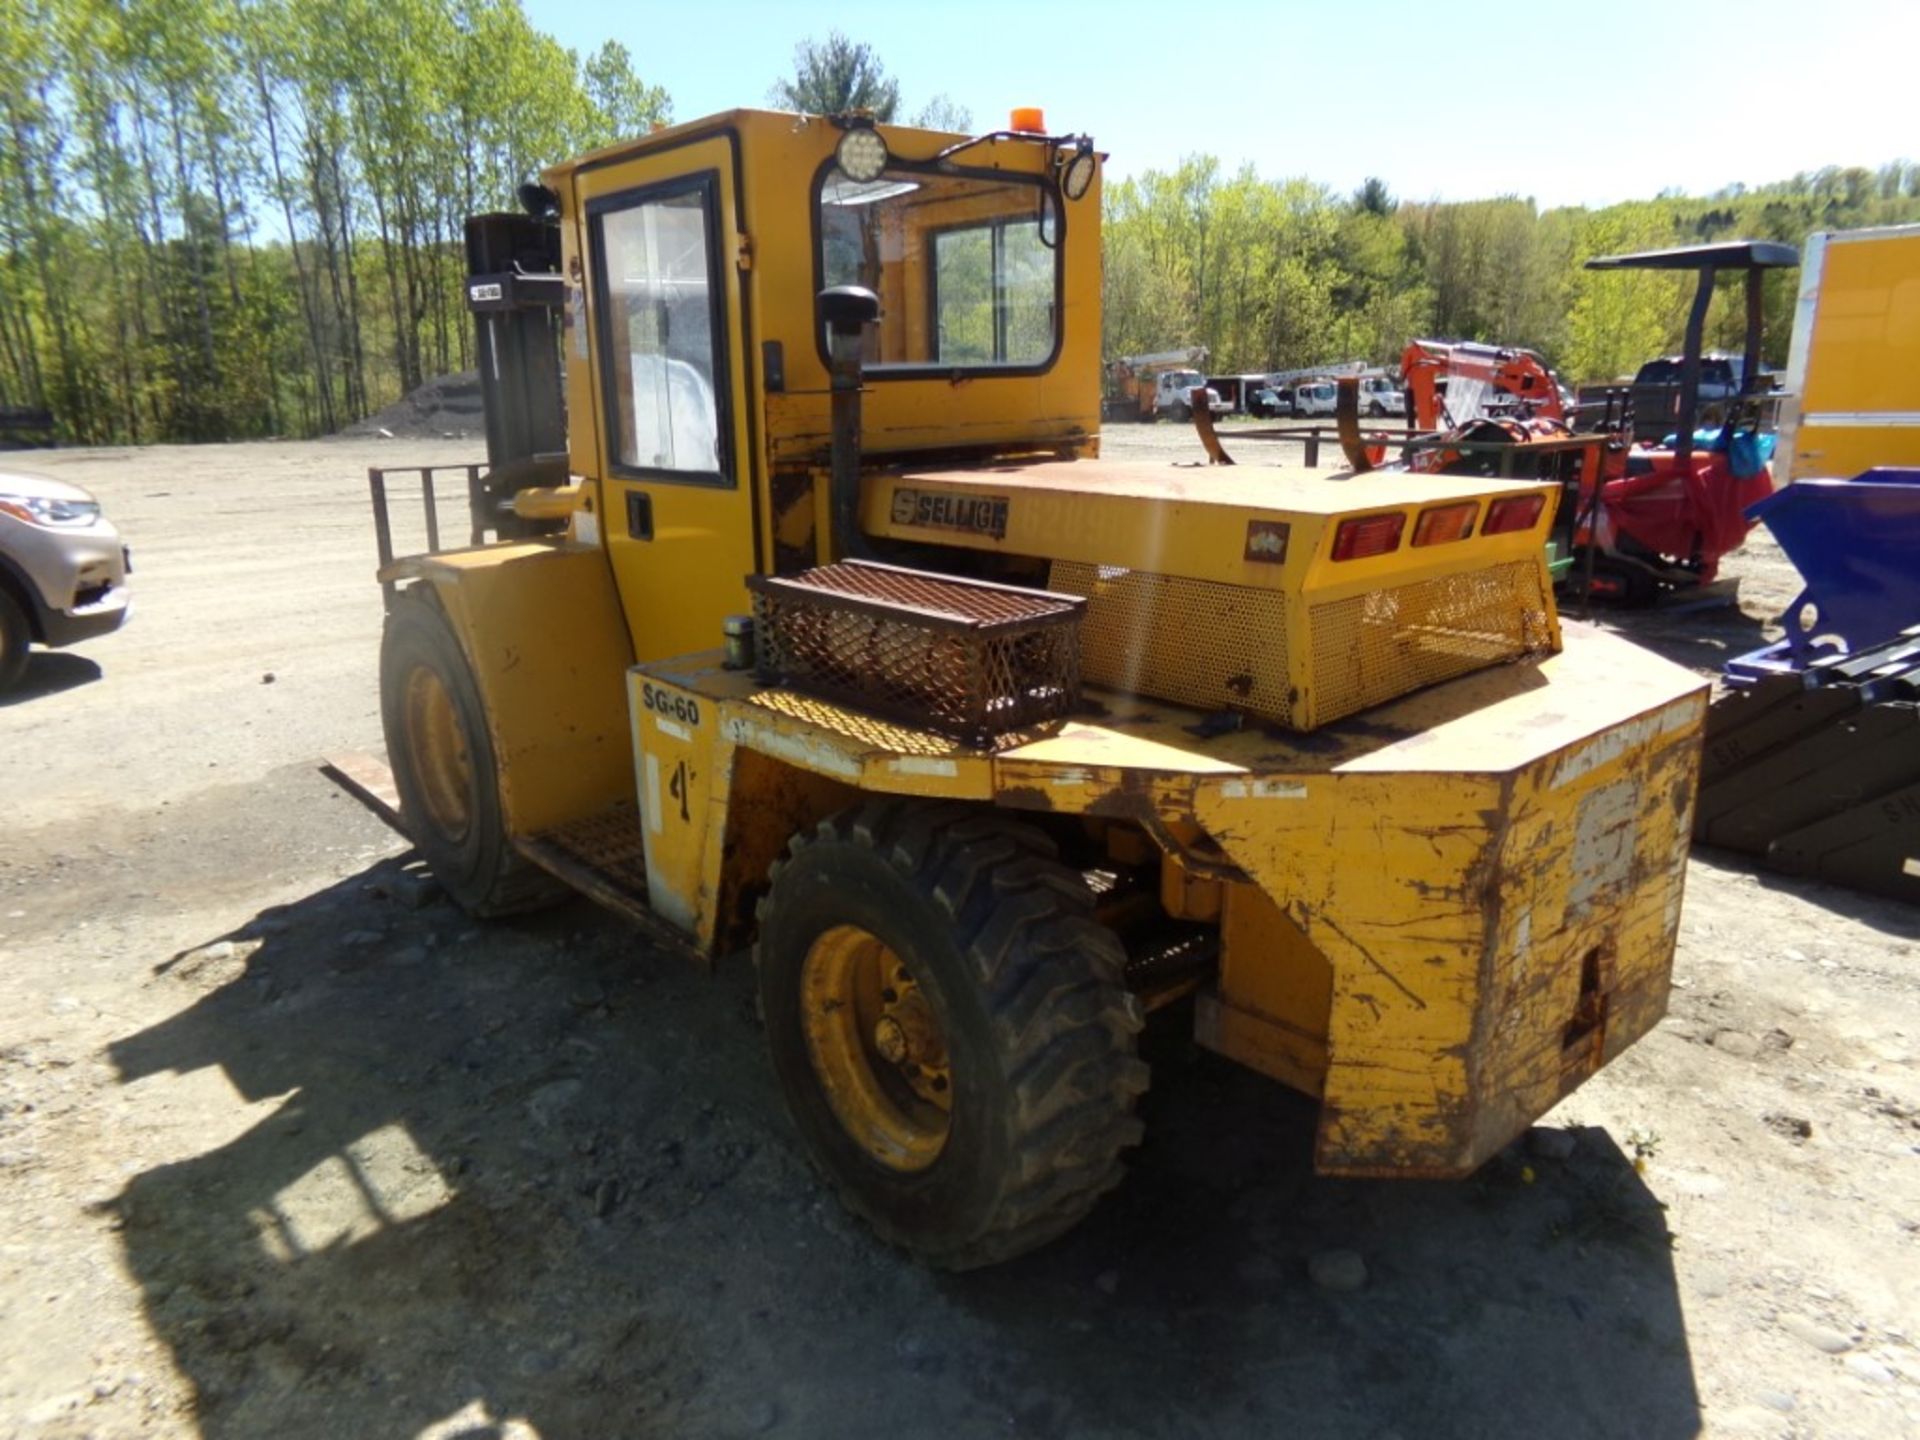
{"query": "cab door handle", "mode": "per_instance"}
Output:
(639, 515)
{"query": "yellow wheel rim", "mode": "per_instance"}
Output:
(437, 746)
(878, 1049)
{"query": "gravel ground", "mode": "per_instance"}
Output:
(290, 1148)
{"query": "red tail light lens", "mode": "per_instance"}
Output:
(1516, 512)
(1444, 524)
(1368, 535)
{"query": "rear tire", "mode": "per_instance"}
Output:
(1009, 992)
(16, 639)
(444, 767)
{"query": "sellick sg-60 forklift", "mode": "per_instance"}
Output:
(811, 619)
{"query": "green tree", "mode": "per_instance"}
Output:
(834, 76)
(1618, 318)
(622, 103)
(943, 112)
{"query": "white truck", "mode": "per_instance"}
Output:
(1379, 396)
(1149, 386)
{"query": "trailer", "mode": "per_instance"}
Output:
(1853, 370)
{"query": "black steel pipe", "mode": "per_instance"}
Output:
(1690, 366)
(847, 310)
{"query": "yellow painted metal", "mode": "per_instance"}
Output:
(440, 756)
(1271, 1004)
(1440, 921)
(1859, 362)
(548, 502)
(765, 166)
(877, 1048)
(1294, 636)
(683, 567)
(684, 793)
(541, 626)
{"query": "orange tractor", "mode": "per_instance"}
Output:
(1638, 519)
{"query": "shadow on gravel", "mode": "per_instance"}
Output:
(534, 1179)
(1701, 633)
(50, 672)
(1894, 918)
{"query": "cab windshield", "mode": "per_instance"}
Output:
(966, 267)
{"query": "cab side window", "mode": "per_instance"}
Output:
(660, 331)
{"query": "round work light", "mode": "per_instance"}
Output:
(861, 154)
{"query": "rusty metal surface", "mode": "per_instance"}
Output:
(604, 857)
(964, 659)
(610, 842)
(1210, 437)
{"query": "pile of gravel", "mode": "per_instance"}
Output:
(446, 408)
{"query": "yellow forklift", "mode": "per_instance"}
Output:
(801, 612)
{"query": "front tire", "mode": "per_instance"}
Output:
(444, 767)
(949, 1029)
(16, 639)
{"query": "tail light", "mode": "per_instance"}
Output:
(1444, 524)
(1368, 535)
(1516, 512)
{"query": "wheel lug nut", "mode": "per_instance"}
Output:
(890, 1040)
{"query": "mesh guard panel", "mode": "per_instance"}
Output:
(1193, 642)
(1370, 648)
(963, 658)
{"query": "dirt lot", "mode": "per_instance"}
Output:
(285, 1152)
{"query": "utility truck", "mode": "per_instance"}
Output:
(800, 613)
(1147, 387)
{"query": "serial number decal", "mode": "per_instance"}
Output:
(944, 510)
(671, 705)
(484, 292)
(1267, 541)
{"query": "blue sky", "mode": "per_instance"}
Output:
(1581, 103)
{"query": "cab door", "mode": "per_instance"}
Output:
(669, 394)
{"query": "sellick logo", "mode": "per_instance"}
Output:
(944, 510)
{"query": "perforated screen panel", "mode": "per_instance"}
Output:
(1221, 647)
(1194, 642)
(1372, 647)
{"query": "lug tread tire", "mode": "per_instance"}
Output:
(1049, 980)
(484, 874)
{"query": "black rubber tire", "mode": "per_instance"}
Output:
(16, 641)
(480, 870)
(1376, 410)
(1027, 988)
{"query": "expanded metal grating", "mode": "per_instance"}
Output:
(1370, 648)
(610, 842)
(964, 658)
(1192, 642)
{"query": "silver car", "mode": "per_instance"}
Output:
(63, 569)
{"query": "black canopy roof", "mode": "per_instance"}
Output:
(1728, 255)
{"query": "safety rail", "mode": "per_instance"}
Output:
(478, 520)
(1411, 442)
